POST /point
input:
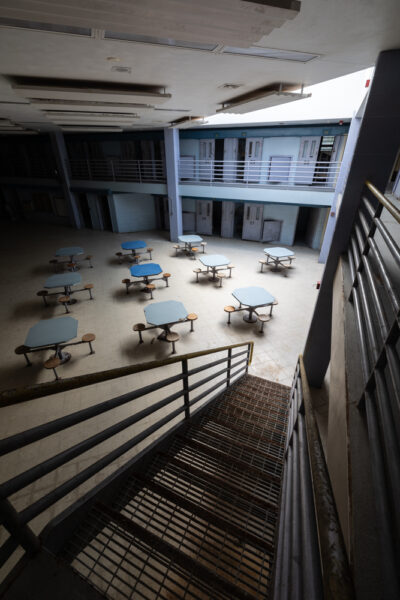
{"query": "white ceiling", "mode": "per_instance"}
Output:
(175, 82)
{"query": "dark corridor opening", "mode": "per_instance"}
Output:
(217, 217)
(301, 226)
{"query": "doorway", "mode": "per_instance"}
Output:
(217, 217)
(238, 220)
(85, 211)
(301, 225)
(105, 213)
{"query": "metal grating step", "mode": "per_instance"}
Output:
(201, 522)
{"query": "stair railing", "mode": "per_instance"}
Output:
(220, 374)
(311, 559)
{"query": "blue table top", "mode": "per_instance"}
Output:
(278, 252)
(253, 296)
(214, 260)
(145, 270)
(189, 239)
(163, 313)
(133, 245)
(70, 251)
(52, 331)
(62, 279)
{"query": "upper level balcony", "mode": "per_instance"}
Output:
(115, 169)
(277, 172)
(286, 174)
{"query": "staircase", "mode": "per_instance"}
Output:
(201, 521)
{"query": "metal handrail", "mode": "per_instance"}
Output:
(40, 390)
(233, 366)
(394, 211)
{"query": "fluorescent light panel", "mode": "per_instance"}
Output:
(148, 39)
(266, 100)
(274, 53)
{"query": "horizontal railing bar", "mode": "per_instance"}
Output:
(55, 387)
(394, 211)
(388, 239)
(7, 549)
(390, 290)
(27, 477)
(217, 385)
(24, 438)
(206, 379)
(65, 488)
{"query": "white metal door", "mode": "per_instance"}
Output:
(230, 158)
(204, 217)
(308, 154)
(252, 171)
(228, 219)
(252, 221)
(206, 165)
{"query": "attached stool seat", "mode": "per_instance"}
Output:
(221, 276)
(139, 327)
(166, 276)
(197, 271)
(262, 262)
(193, 252)
(263, 319)
(149, 289)
(229, 310)
(64, 300)
(89, 287)
(42, 294)
(192, 317)
(52, 363)
(172, 337)
(230, 267)
(203, 245)
(89, 259)
(127, 282)
(23, 350)
(89, 338)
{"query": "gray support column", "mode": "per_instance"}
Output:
(171, 137)
(95, 214)
(61, 155)
(376, 150)
(340, 185)
(113, 212)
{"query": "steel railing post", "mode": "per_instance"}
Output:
(18, 530)
(185, 382)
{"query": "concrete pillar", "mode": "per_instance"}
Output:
(375, 152)
(340, 185)
(61, 156)
(171, 138)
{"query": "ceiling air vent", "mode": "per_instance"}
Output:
(119, 69)
(272, 53)
(48, 27)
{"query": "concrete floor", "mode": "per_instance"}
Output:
(24, 265)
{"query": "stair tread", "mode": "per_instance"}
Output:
(201, 522)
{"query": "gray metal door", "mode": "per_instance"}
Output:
(228, 219)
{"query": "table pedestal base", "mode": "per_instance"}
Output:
(250, 317)
(63, 356)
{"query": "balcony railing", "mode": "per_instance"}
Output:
(285, 173)
(141, 171)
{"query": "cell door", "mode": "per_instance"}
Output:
(252, 221)
(206, 159)
(204, 217)
(252, 171)
(307, 160)
(228, 219)
(230, 160)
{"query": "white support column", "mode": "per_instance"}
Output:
(341, 182)
(61, 155)
(171, 138)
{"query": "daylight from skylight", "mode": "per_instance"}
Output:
(335, 99)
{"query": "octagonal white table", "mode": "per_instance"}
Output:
(253, 297)
(53, 332)
(213, 261)
(278, 256)
(165, 314)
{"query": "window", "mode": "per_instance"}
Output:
(279, 169)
